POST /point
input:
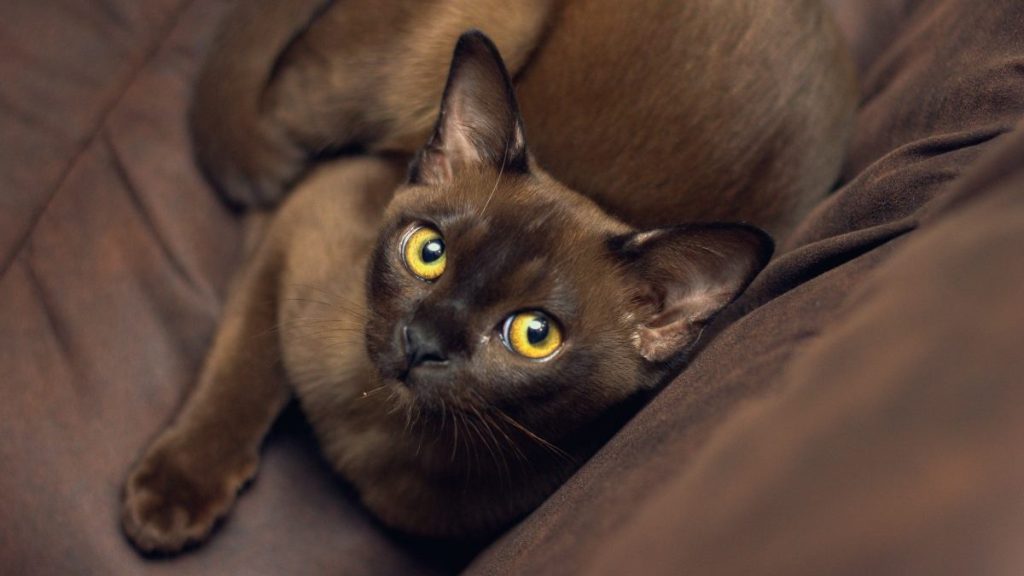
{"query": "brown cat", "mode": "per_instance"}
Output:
(462, 347)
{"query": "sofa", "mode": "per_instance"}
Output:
(859, 410)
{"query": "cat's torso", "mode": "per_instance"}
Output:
(662, 112)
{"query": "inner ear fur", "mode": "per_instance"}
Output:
(681, 277)
(479, 122)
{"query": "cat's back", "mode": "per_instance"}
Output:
(666, 112)
(662, 111)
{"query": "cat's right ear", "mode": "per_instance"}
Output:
(681, 277)
(479, 123)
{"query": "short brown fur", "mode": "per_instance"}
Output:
(668, 112)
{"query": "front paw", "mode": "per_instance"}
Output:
(175, 495)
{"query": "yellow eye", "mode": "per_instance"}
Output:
(532, 334)
(424, 253)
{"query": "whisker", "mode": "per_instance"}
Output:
(496, 452)
(306, 321)
(408, 416)
(504, 160)
(319, 333)
(515, 447)
(540, 441)
(471, 450)
(455, 432)
(329, 331)
(351, 309)
(395, 406)
(340, 343)
(417, 414)
(313, 300)
(479, 442)
(334, 295)
(419, 441)
(371, 392)
(508, 439)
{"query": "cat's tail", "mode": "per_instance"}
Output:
(250, 159)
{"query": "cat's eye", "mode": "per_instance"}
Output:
(424, 252)
(532, 334)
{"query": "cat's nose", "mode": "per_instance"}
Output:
(423, 345)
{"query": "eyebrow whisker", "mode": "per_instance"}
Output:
(504, 160)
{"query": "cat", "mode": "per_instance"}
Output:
(463, 334)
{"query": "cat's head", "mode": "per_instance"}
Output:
(494, 286)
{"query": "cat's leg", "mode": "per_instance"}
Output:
(248, 157)
(189, 476)
(288, 80)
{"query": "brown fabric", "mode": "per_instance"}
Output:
(114, 256)
(864, 417)
(871, 27)
(893, 441)
(859, 416)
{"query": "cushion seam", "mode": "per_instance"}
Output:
(90, 139)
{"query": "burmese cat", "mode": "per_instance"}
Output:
(461, 347)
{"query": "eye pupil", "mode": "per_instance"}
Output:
(432, 251)
(537, 330)
(424, 253)
(532, 334)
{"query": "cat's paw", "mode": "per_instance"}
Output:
(174, 496)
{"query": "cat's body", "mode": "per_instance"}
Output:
(405, 364)
(665, 112)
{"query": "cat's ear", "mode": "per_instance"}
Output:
(682, 277)
(479, 122)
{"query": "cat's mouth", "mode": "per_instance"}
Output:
(432, 387)
(412, 373)
(426, 383)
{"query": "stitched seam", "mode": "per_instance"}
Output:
(104, 116)
(121, 171)
(49, 312)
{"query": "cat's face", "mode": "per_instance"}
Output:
(505, 299)
(492, 286)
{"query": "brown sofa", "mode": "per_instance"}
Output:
(861, 409)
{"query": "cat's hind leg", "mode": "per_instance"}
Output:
(288, 81)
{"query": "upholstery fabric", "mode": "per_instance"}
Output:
(114, 260)
(857, 411)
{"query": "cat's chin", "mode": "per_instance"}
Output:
(428, 398)
(410, 389)
(427, 401)
(430, 388)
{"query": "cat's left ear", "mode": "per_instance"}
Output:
(682, 277)
(479, 123)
